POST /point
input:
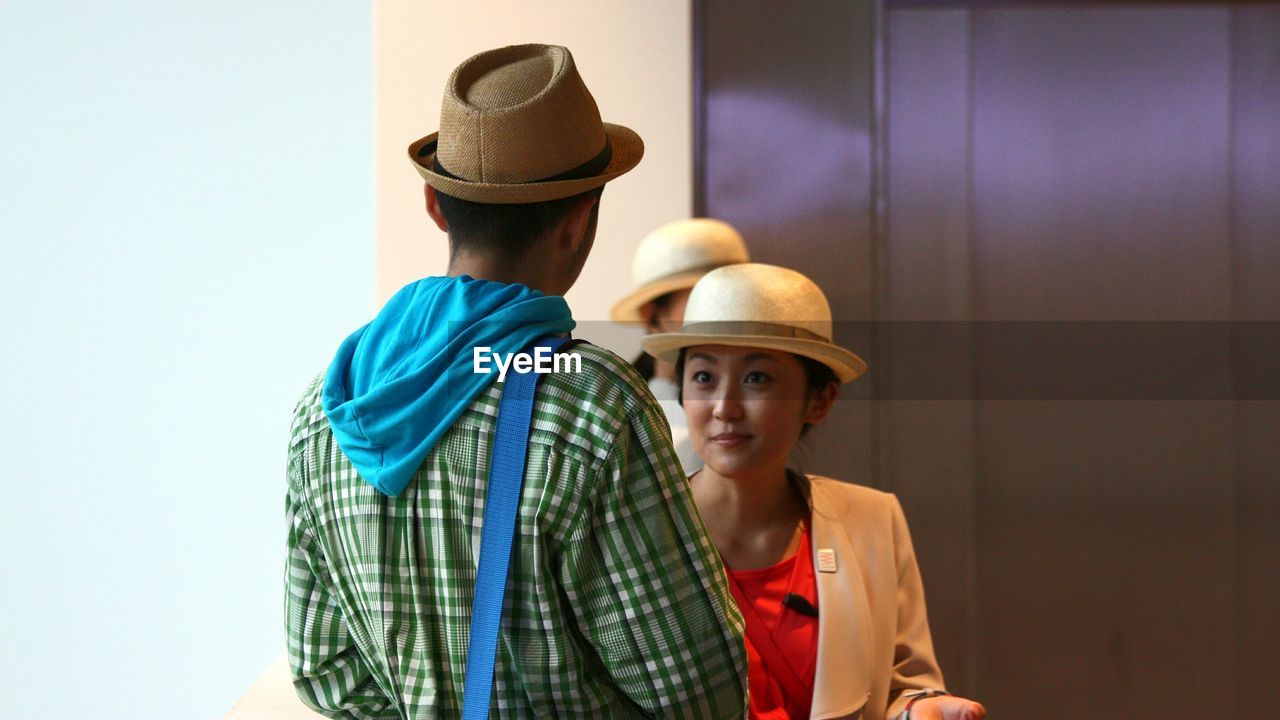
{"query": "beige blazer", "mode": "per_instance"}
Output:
(873, 635)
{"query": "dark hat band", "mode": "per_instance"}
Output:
(590, 168)
(751, 327)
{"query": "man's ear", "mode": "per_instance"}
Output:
(820, 402)
(433, 207)
(575, 224)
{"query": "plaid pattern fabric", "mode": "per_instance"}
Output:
(616, 604)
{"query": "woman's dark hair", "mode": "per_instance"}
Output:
(504, 230)
(645, 365)
(816, 375)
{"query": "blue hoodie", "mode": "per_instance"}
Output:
(398, 383)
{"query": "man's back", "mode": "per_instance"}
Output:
(616, 605)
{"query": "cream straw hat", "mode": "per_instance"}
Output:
(758, 305)
(674, 257)
(518, 125)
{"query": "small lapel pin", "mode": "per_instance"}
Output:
(826, 560)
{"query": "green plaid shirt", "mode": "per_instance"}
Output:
(616, 604)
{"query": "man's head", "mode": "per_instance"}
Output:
(556, 235)
(521, 158)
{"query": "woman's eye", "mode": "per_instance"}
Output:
(701, 376)
(755, 377)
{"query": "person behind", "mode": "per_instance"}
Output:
(616, 605)
(665, 267)
(823, 570)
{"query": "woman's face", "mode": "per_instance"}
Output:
(747, 406)
(666, 313)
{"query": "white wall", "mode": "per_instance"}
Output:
(186, 233)
(634, 56)
(185, 236)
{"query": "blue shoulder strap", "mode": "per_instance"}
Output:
(502, 500)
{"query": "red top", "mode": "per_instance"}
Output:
(786, 692)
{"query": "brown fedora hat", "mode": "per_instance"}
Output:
(519, 126)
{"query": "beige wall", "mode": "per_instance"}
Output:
(635, 57)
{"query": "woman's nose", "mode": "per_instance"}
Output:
(728, 406)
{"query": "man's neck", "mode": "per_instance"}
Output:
(484, 267)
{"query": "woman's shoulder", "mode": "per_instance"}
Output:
(850, 502)
(871, 518)
(848, 491)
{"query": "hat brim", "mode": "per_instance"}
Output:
(846, 365)
(628, 308)
(626, 146)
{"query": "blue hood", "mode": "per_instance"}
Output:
(398, 383)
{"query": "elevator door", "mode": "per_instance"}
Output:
(1101, 166)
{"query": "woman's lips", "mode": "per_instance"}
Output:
(729, 439)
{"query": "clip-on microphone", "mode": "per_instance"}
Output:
(799, 604)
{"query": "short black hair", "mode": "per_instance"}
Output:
(503, 230)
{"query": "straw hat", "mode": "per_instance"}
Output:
(518, 125)
(758, 305)
(674, 257)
